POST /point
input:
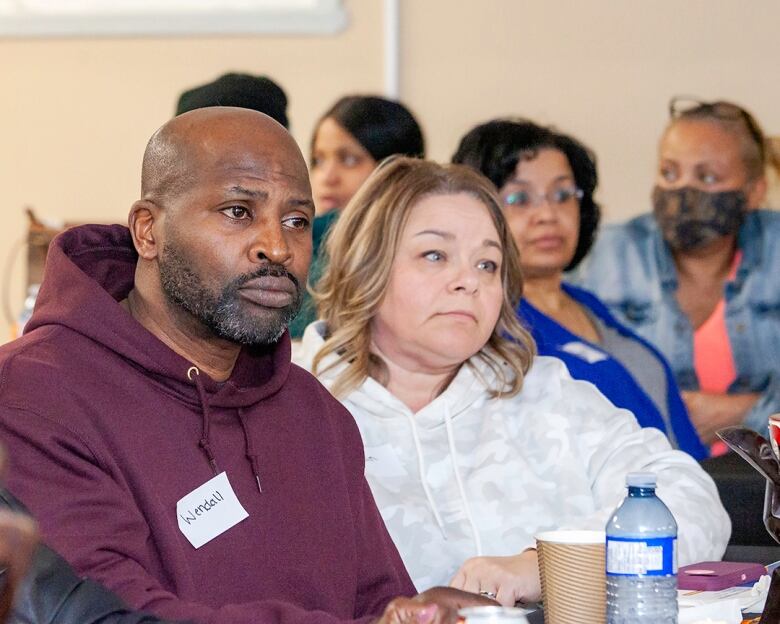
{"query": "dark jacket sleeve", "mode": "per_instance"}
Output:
(52, 592)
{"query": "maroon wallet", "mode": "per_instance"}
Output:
(717, 575)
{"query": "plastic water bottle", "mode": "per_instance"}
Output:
(641, 557)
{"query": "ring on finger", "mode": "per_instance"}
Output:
(488, 594)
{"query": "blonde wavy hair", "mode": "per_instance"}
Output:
(361, 250)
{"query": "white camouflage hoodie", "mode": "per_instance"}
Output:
(468, 475)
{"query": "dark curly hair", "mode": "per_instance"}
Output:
(494, 149)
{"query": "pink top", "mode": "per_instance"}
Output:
(712, 357)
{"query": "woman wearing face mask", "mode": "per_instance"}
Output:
(546, 181)
(349, 140)
(472, 445)
(699, 277)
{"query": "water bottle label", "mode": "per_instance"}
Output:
(655, 556)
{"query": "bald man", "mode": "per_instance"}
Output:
(157, 429)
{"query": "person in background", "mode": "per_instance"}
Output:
(699, 276)
(546, 181)
(472, 445)
(349, 140)
(159, 433)
(258, 93)
(773, 173)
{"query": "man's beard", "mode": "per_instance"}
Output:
(225, 313)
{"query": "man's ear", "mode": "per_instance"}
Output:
(144, 222)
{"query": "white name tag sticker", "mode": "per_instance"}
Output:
(584, 352)
(209, 511)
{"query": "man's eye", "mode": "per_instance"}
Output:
(488, 265)
(668, 174)
(239, 213)
(518, 198)
(433, 256)
(708, 178)
(296, 223)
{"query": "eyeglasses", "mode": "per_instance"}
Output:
(686, 106)
(554, 197)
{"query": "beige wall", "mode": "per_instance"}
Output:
(76, 114)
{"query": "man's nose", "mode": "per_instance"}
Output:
(269, 243)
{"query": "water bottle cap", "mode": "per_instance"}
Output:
(641, 479)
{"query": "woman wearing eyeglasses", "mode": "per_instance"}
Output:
(700, 276)
(546, 181)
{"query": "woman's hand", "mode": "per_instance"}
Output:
(510, 579)
(710, 412)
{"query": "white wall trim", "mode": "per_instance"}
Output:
(322, 17)
(392, 49)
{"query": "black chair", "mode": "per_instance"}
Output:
(52, 592)
(742, 490)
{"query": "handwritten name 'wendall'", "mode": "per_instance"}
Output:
(207, 505)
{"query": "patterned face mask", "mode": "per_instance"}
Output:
(690, 218)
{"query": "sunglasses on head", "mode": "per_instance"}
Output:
(682, 106)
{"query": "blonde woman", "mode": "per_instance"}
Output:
(472, 444)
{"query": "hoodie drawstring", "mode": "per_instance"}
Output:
(461, 489)
(421, 468)
(250, 450)
(193, 374)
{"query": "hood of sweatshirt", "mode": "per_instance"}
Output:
(371, 403)
(89, 270)
(465, 391)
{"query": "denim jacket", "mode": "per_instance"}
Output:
(632, 271)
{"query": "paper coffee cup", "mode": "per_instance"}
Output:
(571, 568)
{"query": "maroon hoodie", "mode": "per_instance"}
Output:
(106, 432)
